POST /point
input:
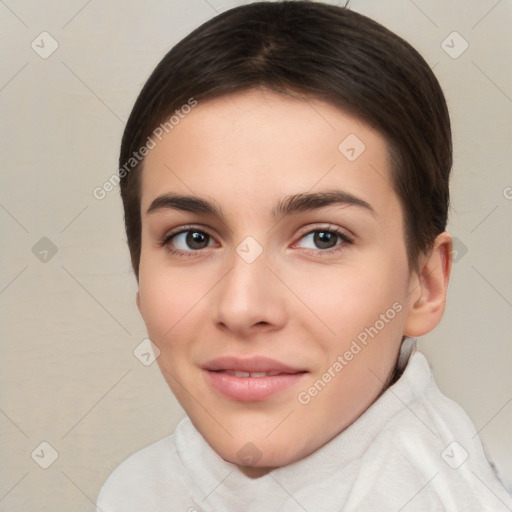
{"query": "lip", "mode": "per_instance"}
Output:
(251, 388)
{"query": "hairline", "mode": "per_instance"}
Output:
(393, 152)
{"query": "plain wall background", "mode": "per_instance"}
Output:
(69, 376)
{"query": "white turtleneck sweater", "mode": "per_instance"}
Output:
(412, 450)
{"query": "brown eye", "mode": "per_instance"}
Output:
(322, 239)
(197, 240)
(325, 239)
(190, 240)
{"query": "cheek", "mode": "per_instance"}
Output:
(165, 300)
(174, 303)
(347, 299)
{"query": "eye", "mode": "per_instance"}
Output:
(324, 239)
(187, 241)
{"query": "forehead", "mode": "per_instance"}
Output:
(256, 146)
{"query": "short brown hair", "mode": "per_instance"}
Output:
(324, 51)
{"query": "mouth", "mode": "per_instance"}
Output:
(242, 374)
(252, 379)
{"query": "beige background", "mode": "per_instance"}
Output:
(69, 376)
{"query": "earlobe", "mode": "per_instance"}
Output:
(428, 297)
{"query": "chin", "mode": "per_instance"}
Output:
(259, 455)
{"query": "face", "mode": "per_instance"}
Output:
(273, 275)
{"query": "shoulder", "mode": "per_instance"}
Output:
(149, 477)
(435, 441)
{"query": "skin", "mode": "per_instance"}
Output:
(299, 302)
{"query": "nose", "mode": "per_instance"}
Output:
(249, 299)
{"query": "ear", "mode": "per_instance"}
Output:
(427, 294)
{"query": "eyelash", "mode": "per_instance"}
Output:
(166, 241)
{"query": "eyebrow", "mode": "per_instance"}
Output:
(312, 201)
(184, 203)
(287, 206)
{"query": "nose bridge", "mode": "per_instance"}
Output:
(245, 282)
(246, 296)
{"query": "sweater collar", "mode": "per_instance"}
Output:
(209, 471)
